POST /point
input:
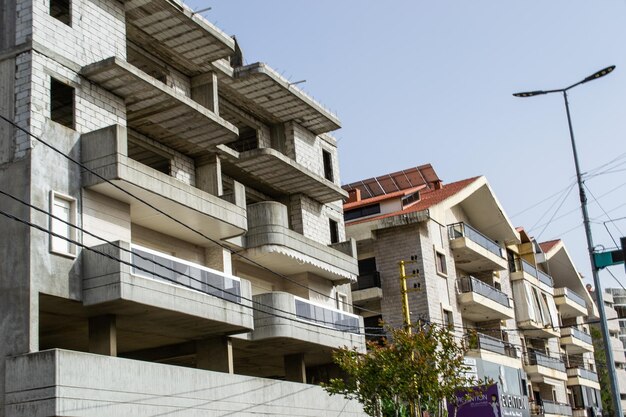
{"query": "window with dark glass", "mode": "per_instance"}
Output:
(62, 103)
(334, 231)
(361, 212)
(328, 165)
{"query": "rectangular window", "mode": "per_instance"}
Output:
(62, 103)
(61, 10)
(64, 208)
(361, 212)
(448, 320)
(342, 301)
(334, 231)
(440, 262)
(328, 165)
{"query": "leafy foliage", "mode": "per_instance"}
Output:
(422, 365)
(601, 368)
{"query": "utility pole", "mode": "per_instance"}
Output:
(406, 312)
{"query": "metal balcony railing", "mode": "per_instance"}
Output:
(181, 272)
(495, 345)
(365, 281)
(571, 295)
(522, 265)
(326, 316)
(550, 407)
(583, 373)
(471, 284)
(541, 359)
(458, 230)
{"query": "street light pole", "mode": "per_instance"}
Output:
(608, 351)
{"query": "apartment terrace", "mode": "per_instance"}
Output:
(582, 376)
(494, 350)
(522, 269)
(367, 288)
(569, 303)
(539, 366)
(550, 408)
(473, 251)
(106, 152)
(576, 341)
(481, 301)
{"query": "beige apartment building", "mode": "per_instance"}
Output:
(208, 271)
(522, 306)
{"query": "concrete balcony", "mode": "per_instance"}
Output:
(494, 350)
(271, 243)
(540, 366)
(473, 251)
(265, 93)
(569, 303)
(187, 300)
(532, 328)
(106, 152)
(612, 321)
(482, 302)
(582, 376)
(549, 409)
(173, 32)
(618, 350)
(288, 326)
(576, 341)
(277, 174)
(367, 288)
(69, 383)
(160, 112)
(621, 380)
(524, 270)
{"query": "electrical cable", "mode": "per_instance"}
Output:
(153, 207)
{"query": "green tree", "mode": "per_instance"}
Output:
(601, 368)
(422, 365)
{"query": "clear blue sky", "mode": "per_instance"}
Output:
(416, 82)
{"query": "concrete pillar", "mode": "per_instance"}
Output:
(103, 335)
(215, 354)
(204, 91)
(209, 175)
(239, 194)
(219, 258)
(295, 369)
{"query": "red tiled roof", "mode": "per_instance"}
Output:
(547, 246)
(428, 199)
(368, 201)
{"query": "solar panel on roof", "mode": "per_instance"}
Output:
(395, 181)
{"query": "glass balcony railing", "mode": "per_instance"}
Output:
(560, 409)
(571, 295)
(471, 284)
(365, 281)
(458, 230)
(583, 373)
(578, 334)
(522, 265)
(161, 267)
(541, 359)
(326, 316)
(495, 345)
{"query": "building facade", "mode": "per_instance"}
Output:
(477, 274)
(195, 261)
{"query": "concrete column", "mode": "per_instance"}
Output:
(209, 175)
(103, 335)
(215, 354)
(204, 91)
(295, 369)
(219, 258)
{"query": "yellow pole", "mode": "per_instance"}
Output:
(405, 298)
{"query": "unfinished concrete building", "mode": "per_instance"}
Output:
(210, 249)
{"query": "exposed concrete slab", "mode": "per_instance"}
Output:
(72, 384)
(105, 151)
(263, 92)
(159, 111)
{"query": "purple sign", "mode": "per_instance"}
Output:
(482, 401)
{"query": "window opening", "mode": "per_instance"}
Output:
(64, 209)
(440, 261)
(334, 231)
(328, 165)
(62, 103)
(61, 10)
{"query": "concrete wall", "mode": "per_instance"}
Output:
(89, 385)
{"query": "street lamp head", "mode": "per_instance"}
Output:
(599, 74)
(529, 93)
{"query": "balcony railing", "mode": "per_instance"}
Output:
(365, 281)
(522, 265)
(495, 345)
(541, 359)
(471, 284)
(458, 230)
(571, 295)
(326, 316)
(560, 409)
(583, 373)
(578, 334)
(162, 267)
